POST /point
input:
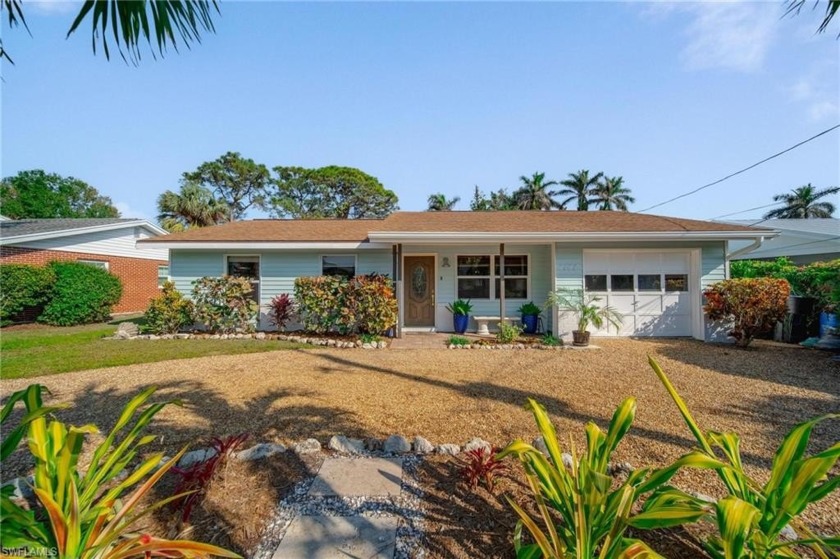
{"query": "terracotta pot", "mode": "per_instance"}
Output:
(580, 338)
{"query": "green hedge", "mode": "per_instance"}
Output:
(820, 280)
(82, 294)
(23, 286)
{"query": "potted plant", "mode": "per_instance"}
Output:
(530, 317)
(587, 310)
(460, 310)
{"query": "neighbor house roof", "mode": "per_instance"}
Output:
(453, 227)
(829, 226)
(798, 238)
(19, 230)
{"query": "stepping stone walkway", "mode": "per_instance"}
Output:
(365, 507)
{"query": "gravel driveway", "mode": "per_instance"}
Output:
(451, 396)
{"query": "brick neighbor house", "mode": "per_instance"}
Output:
(109, 243)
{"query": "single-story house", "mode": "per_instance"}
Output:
(650, 268)
(802, 240)
(109, 243)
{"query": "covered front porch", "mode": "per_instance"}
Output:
(496, 278)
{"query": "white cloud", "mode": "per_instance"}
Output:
(54, 7)
(817, 91)
(725, 34)
(127, 211)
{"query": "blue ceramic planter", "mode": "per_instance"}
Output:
(461, 322)
(828, 321)
(529, 322)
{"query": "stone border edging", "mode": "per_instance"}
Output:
(309, 340)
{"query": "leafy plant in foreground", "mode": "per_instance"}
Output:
(90, 514)
(195, 479)
(482, 465)
(593, 514)
(751, 519)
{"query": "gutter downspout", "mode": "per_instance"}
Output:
(749, 248)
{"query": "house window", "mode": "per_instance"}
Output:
(342, 265)
(516, 276)
(246, 267)
(473, 277)
(676, 282)
(98, 263)
(596, 282)
(621, 282)
(163, 275)
(650, 282)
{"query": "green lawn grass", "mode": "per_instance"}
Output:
(45, 350)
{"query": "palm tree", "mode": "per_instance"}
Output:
(534, 193)
(802, 203)
(579, 187)
(611, 194)
(440, 203)
(193, 206)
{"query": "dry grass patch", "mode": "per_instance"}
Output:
(450, 396)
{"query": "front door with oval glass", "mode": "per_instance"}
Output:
(419, 290)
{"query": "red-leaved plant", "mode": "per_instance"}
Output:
(195, 479)
(280, 310)
(753, 306)
(481, 465)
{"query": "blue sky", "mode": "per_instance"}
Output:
(435, 97)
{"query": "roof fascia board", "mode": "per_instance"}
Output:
(264, 245)
(17, 239)
(460, 237)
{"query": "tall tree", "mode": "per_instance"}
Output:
(611, 194)
(498, 201)
(161, 22)
(579, 188)
(339, 192)
(831, 9)
(37, 194)
(440, 203)
(803, 203)
(192, 206)
(239, 182)
(534, 194)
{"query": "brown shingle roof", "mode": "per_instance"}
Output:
(356, 230)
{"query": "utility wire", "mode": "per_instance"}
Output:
(744, 170)
(751, 209)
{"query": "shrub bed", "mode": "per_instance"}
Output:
(23, 286)
(754, 306)
(169, 312)
(363, 304)
(82, 294)
(224, 304)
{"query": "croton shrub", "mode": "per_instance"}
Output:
(752, 305)
(224, 304)
(169, 312)
(362, 304)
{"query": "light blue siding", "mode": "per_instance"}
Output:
(713, 264)
(186, 266)
(375, 262)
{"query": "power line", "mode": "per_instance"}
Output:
(749, 210)
(744, 170)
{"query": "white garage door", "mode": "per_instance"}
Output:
(651, 289)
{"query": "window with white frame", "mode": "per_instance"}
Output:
(246, 267)
(163, 275)
(98, 263)
(339, 265)
(477, 279)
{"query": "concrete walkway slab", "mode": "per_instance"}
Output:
(348, 477)
(339, 537)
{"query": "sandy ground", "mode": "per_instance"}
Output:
(453, 395)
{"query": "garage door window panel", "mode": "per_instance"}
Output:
(622, 282)
(596, 282)
(650, 282)
(676, 282)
